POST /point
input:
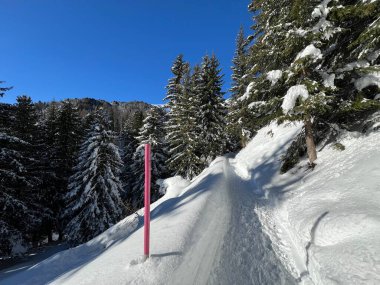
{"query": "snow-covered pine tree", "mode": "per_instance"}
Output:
(128, 145)
(353, 58)
(288, 56)
(93, 202)
(48, 168)
(152, 132)
(27, 127)
(210, 118)
(240, 80)
(186, 156)
(20, 214)
(174, 95)
(68, 137)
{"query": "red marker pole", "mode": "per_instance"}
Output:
(147, 202)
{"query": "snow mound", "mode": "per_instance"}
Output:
(274, 75)
(173, 187)
(311, 51)
(292, 95)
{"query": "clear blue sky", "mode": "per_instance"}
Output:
(110, 49)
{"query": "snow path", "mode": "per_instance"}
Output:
(246, 253)
(229, 244)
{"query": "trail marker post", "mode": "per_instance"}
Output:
(147, 202)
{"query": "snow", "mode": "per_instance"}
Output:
(329, 219)
(274, 75)
(328, 80)
(368, 80)
(247, 92)
(321, 12)
(311, 51)
(377, 97)
(354, 65)
(242, 222)
(256, 104)
(292, 95)
(172, 187)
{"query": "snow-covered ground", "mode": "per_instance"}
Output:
(241, 222)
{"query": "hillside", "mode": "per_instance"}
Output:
(242, 222)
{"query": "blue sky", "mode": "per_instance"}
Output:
(110, 49)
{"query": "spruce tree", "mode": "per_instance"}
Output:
(68, 137)
(210, 118)
(185, 159)
(93, 202)
(21, 215)
(180, 126)
(153, 133)
(308, 51)
(128, 147)
(240, 80)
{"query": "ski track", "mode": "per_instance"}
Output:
(233, 248)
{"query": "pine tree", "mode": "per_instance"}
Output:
(49, 169)
(185, 159)
(68, 137)
(153, 133)
(211, 111)
(25, 119)
(181, 126)
(240, 80)
(128, 145)
(301, 50)
(93, 202)
(21, 214)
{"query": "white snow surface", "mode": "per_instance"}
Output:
(292, 95)
(311, 51)
(368, 80)
(245, 96)
(242, 222)
(274, 75)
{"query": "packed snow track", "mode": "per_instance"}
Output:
(229, 245)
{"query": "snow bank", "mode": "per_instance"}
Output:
(173, 187)
(292, 95)
(324, 224)
(274, 75)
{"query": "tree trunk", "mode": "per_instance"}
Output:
(50, 236)
(311, 150)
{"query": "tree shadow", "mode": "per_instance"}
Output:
(261, 178)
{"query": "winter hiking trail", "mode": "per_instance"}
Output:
(233, 248)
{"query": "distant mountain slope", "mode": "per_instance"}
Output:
(120, 111)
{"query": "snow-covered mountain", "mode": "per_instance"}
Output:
(242, 222)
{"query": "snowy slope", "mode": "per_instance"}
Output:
(328, 221)
(241, 222)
